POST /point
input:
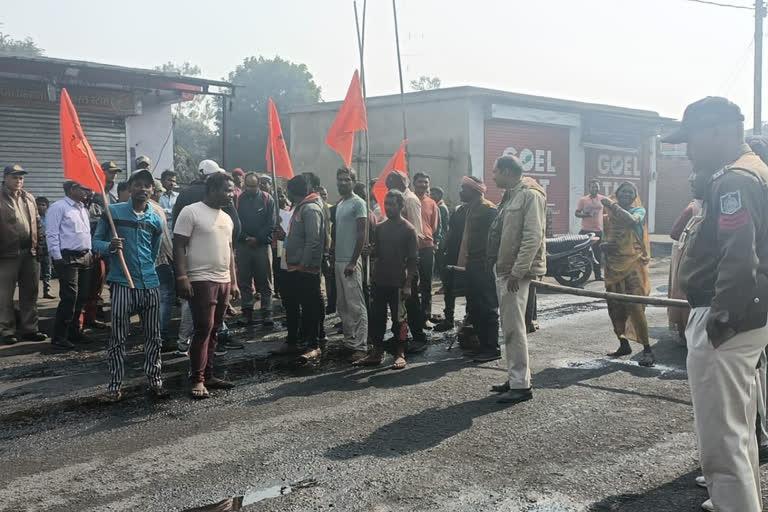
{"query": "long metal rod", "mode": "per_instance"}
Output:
(758, 84)
(400, 72)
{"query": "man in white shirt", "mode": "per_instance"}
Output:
(206, 275)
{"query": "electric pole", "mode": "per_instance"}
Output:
(758, 92)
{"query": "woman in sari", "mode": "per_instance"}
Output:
(627, 253)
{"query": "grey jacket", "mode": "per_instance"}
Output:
(307, 237)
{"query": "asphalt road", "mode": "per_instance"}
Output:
(599, 435)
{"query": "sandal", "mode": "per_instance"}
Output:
(199, 393)
(399, 363)
(217, 383)
(114, 396)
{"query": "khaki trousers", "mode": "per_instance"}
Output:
(350, 305)
(24, 270)
(724, 393)
(512, 314)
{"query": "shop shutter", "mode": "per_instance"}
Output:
(30, 137)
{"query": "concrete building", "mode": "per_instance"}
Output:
(462, 130)
(125, 112)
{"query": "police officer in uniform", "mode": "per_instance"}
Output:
(724, 272)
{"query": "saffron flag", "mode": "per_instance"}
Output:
(396, 163)
(350, 119)
(80, 162)
(276, 145)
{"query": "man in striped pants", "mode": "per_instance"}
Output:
(139, 237)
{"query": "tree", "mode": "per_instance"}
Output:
(10, 47)
(257, 79)
(425, 83)
(195, 134)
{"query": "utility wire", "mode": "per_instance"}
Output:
(718, 4)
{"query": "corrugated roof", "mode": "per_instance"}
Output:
(451, 93)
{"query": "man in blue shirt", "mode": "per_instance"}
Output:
(168, 198)
(140, 232)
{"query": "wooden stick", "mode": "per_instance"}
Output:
(619, 297)
(120, 254)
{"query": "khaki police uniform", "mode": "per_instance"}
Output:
(724, 272)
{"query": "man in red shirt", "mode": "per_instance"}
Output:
(590, 210)
(430, 216)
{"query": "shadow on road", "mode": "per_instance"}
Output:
(354, 379)
(417, 432)
(679, 494)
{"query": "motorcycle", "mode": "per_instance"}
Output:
(570, 258)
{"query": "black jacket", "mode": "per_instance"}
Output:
(257, 216)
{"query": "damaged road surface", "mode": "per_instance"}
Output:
(599, 435)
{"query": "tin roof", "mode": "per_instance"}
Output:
(65, 71)
(462, 92)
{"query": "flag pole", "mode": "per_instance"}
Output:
(361, 48)
(400, 72)
(120, 254)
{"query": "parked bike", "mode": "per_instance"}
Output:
(570, 258)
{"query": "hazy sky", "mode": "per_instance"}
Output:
(652, 54)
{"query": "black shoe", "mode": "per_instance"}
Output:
(247, 318)
(80, 338)
(416, 347)
(10, 339)
(500, 388)
(219, 350)
(487, 356)
(444, 325)
(515, 396)
(62, 344)
(268, 324)
(34, 336)
(47, 295)
(230, 344)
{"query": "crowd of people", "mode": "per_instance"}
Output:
(238, 236)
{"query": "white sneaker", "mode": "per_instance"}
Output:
(708, 506)
(701, 482)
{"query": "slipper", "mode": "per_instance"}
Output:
(199, 393)
(217, 383)
(114, 396)
(399, 364)
(158, 392)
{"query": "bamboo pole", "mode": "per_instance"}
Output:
(367, 175)
(120, 254)
(619, 297)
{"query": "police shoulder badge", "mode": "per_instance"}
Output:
(730, 203)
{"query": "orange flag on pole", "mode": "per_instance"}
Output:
(276, 145)
(350, 119)
(80, 162)
(396, 163)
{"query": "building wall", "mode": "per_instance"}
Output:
(151, 133)
(438, 143)
(673, 192)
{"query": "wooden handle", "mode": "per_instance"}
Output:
(120, 254)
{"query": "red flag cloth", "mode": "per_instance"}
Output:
(350, 119)
(276, 145)
(75, 150)
(396, 163)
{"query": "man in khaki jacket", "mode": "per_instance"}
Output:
(724, 274)
(516, 246)
(19, 232)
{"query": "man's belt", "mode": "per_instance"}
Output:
(74, 254)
